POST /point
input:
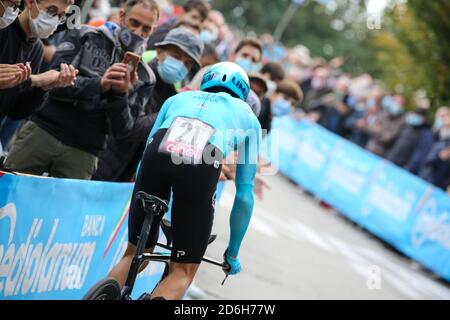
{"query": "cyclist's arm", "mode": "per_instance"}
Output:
(244, 201)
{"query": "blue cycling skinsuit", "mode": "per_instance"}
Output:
(193, 126)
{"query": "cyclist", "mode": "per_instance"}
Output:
(193, 133)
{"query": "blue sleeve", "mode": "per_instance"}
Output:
(244, 200)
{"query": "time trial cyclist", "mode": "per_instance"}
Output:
(193, 134)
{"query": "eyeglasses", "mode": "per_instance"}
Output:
(52, 11)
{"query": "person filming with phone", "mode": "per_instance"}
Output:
(113, 86)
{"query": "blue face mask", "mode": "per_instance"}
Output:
(386, 102)
(395, 109)
(438, 124)
(247, 65)
(414, 120)
(281, 107)
(207, 36)
(172, 70)
(360, 107)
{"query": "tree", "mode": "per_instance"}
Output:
(328, 31)
(414, 49)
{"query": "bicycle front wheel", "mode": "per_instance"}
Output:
(106, 289)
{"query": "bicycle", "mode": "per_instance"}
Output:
(109, 289)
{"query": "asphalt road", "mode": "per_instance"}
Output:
(297, 250)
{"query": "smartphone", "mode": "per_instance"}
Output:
(132, 60)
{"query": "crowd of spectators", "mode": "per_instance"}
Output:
(70, 108)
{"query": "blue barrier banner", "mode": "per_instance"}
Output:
(285, 142)
(389, 207)
(59, 237)
(311, 156)
(393, 204)
(430, 233)
(346, 178)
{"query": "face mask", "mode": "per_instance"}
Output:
(360, 107)
(8, 16)
(438, 124)
(44, 25)
(271, 88)
(414, 120)
(172, 70)
(207, 36)
(281, 107)
(131, 41)
(246, 64)
(386, 102)
(395, 109)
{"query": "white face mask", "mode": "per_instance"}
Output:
(271, 88)
(44, 25)
(8, 16)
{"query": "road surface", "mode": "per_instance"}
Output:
(297, 250)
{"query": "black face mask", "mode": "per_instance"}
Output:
(130, 41)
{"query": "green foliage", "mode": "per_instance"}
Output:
(310, 26)
(410, 53)
(414, 48)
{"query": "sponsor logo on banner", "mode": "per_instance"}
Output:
(393, 204)
(432, 225)
(38, 265)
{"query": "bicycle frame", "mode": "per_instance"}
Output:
(140, 256)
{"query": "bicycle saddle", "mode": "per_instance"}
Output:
(155, 204)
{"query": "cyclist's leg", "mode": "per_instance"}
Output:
(152, 179)
(194, 189)
(120, 271)
(177, 282)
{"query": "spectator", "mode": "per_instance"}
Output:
(273, 73)
(194, 10)
(66, 136)
(365, 113)
(210, 32)
(415, 136)
(319, 89)
(180, 50)
(384, 132)
(336, 109)
(258, 84)
(101, 9)
(191, 25)
(437, 165)
(286, 97)
(26, 87)
(248, 54)
(439, 118)
(9, 11)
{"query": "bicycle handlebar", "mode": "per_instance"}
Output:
(223, 265)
